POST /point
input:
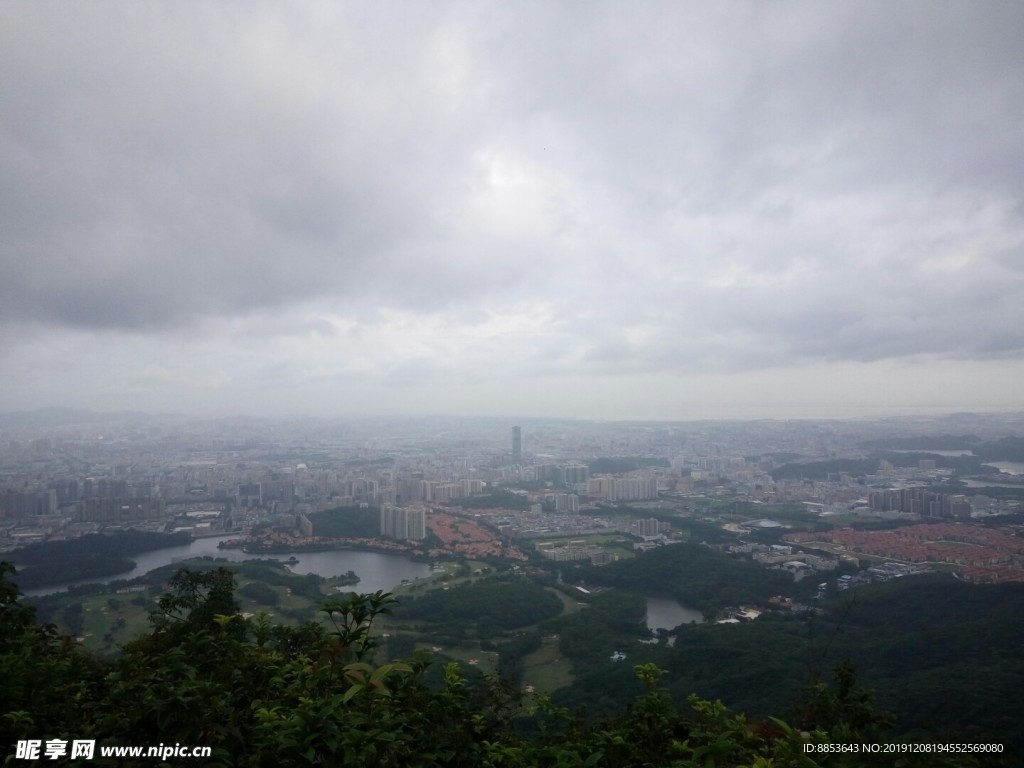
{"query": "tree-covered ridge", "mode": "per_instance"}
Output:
(1007, 449)
(695, 575)
(262, 694)
(944, 654)
(907, 452)
(94, 556)
(502, 604)
(944, 657)
(347, 522)
(820, 470)
(612, 465)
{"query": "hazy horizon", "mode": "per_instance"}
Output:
(655, 212)
(724, 415)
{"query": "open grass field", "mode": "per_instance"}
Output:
(451, 573)
(109, 621)
(619, 545)
(545, 670)
(568, 604)
(122, 624)
(289, 606)
(484, 661)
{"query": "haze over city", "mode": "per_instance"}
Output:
(665, 210)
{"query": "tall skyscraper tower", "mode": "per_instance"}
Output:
(517, 445)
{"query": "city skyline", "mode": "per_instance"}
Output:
(701, 211)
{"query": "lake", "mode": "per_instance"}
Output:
(668, 613)
(375, 570)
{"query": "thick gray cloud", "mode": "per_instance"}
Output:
(402, 196)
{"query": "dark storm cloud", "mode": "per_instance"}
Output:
(671, 187)
(154, 176)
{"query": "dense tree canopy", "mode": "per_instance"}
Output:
(356, 522)
(91, 557)
(695, 575)
(504, 603)
(263, 694)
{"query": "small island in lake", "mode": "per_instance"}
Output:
(348, 577)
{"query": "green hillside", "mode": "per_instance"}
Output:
(945, 658)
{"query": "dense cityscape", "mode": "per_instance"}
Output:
(263, 483)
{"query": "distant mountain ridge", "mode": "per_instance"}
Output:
(59, 416)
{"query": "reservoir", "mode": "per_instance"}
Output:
(1009, 467)
(376, 571)
(668, 613)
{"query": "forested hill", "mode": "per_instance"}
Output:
(619, 464)
(256, 693)
(1007, 449)
(907, 452)
(940, 653)
(694, 574)
(944, 658)
(1004, 449)
(95, 556)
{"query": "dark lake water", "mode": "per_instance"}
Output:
(375, 570)
(668, 613)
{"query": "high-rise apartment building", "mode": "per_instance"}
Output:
(623, 488)
(408, 523)
(517, 445)
(575, 474)
(416, 524)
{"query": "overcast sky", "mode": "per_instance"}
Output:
(586, 209)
